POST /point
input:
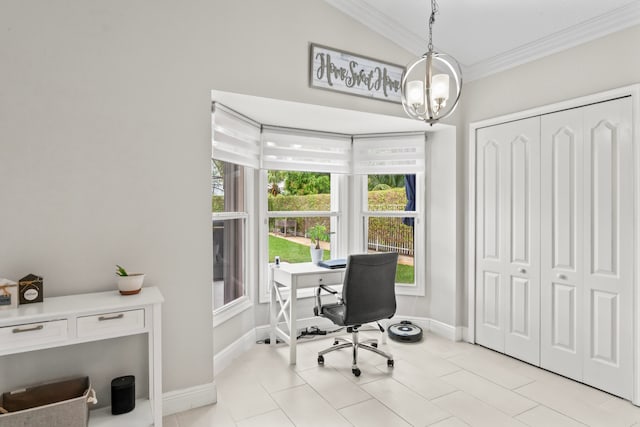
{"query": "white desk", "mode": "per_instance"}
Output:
(75, 319)
(285, 282)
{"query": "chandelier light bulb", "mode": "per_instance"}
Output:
(415, 93)
(440, 88)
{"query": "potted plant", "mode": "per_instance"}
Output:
(317, 233)
(129, 283)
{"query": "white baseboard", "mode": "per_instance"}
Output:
(465, 334)
(226, 356)
(188, 398)
(442, 329)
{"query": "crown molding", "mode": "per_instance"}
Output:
(361, 12)
(600, 26)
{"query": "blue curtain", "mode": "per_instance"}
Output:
(410, 190)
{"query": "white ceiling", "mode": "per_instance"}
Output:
(487, 36)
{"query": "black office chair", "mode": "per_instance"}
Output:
(368, 295)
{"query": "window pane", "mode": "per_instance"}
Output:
(289, 238)
(298, 191)
(387, 234)
(389, 192)
(227, 187)
(228, 261)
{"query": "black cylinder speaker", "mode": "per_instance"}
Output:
(123, 394)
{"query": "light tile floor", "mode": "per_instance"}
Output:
(434, 383)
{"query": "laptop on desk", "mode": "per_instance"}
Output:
(334, 263)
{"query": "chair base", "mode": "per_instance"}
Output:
(355, 344)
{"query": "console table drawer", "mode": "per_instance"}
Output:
(32, 334)
(309, 280)
(109, 323)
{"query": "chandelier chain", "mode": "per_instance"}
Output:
(432, 19)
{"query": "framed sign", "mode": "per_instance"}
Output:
(340, 71)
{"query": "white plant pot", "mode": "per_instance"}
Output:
(131, 284)
(316, 254)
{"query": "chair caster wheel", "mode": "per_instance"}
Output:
(336, 342)
(320, 360)
(356, 372)
(390, 363)
(374, 344)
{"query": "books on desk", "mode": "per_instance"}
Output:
(334, 263)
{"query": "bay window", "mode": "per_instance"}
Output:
(390, 179)
(365, 192)
(229, 220)
(235, 156)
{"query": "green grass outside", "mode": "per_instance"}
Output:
(295, 252)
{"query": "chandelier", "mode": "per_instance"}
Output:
(425, 83)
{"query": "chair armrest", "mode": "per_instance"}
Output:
(328, 289)
(317, 310)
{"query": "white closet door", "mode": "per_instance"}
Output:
(507, 265)
(608, 246)
(561, 279)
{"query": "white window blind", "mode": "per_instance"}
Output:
(236, 139)
(389, 154)
(298, 150)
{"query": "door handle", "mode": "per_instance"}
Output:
(522, 270)
(562, 277)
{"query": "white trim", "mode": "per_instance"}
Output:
(231, 310)
(189, 398)
(600, 26)
(464, 334)
(362, 12)
(227, 355)
(634, 92)
(224, 216)
(300, 214)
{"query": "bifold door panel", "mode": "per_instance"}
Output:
(508, 225)
(554, 242)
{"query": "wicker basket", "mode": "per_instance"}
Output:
(62, 403)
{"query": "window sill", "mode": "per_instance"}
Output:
(410, 290)
(231, 310)
(404, 290)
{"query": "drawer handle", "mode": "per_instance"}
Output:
(30, 329)
(562, 277)
(117, 316)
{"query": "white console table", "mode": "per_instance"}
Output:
(75, 319)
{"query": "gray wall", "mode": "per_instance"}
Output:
(105, 145)
(602, 64)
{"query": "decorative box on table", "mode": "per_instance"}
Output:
(31, 289)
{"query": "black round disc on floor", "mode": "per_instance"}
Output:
(405, 331)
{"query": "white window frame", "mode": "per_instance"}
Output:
(237, 306)
(338, 223)
(419, 249)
